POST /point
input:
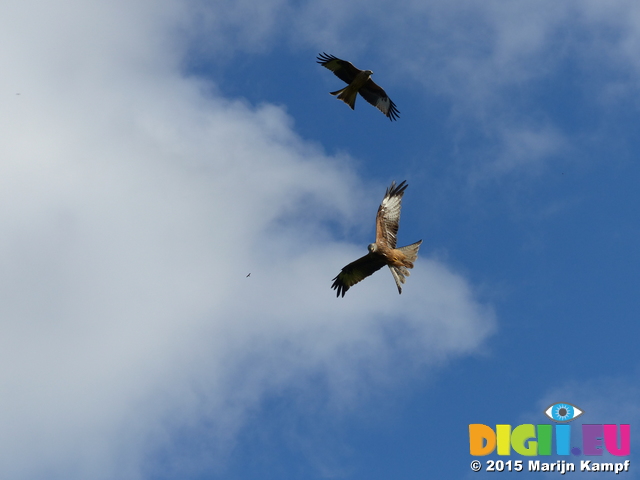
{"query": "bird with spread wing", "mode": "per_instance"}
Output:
(384, 251)
(359, 81)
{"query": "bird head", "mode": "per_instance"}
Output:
(372, 247)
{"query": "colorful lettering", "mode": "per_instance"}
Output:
(592, 439)
(478, 435)
(503, 434)
(522, 435)
(544, 439)
(611, 439)
(530, 440)
(563, 439)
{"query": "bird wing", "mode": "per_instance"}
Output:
(357, 271)
(376, 96)
(388, 217)
(342, 69)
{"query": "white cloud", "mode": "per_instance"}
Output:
(132, 206)
(521, 149)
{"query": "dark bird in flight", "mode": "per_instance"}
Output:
(359, 81)
(384, 251)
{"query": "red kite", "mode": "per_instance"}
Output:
(359, 82)
(384, 251)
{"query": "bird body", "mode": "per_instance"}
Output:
(383, 251)
(349, 93)
(359, 81)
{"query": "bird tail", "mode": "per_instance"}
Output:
(347, 95)
(401, 272)
(411, 252)
(398, 275)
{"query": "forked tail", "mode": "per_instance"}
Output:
(347, 95)
(400, 273)
(411, 251)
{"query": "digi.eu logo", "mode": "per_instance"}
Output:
(530, 440)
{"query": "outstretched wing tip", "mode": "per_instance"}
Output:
(398, 189)
(393, 113)
(323, 58)
(339, 286)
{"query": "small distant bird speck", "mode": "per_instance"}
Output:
(384, 251)
(359, 82)
(248, 274)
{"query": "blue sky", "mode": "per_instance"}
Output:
(155, 153)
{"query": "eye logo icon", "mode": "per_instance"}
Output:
(563, 412)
